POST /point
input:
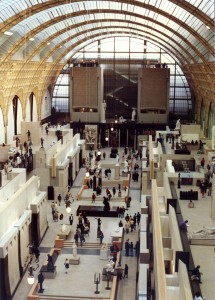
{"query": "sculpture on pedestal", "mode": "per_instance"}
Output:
(122, 120)
(205, 232)
(178, 125)
(50, 265)
(125, 166)
(133, 115)
(64, 228)
(74, 250)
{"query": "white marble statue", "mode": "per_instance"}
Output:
(117, 158)
(178, 125)
(125, 166)
(63, 228)
(122, 120)
(205, 232)
(110, 265)
(133, 115)
(74, 250)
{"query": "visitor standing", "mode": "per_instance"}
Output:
(59, 198)
(93, 198)
(126, 271)
(101, 236)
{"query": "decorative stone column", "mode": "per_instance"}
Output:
(117, 172)
(103, 110)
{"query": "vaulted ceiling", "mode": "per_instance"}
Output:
(55, 30)
(50, 32)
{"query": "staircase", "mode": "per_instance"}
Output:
(69, 244)
(59, 297)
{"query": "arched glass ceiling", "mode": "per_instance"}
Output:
(182, 24)
(11, 7)
(62, 27)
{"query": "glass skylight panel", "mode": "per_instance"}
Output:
(90, 5)
(181, 14)
(168, 7)
(10, 8)
(206, 6)
(208, 9)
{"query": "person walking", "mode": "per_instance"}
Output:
(120, 223)
(99, 223)
(66, 264)
(93, 198)
(82, 238)
(104, 155)
(76, 237)
(131, 248)
(127, 226)
(71, 219)
(59, 198)
(126, 271)
(101, 236)
(127, 247)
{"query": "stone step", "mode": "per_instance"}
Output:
(68, 244)
(59, 297)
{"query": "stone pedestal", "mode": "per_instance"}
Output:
(117, 172)
(75, 260)
(104, 253)
(48, 274)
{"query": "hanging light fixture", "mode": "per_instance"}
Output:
(30, 277)
(68, 209)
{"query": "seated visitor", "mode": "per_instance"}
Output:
(183, 225)
(196, 274)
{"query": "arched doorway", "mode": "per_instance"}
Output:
(14, 119)
(31, 109)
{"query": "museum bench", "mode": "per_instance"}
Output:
(188, 195)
